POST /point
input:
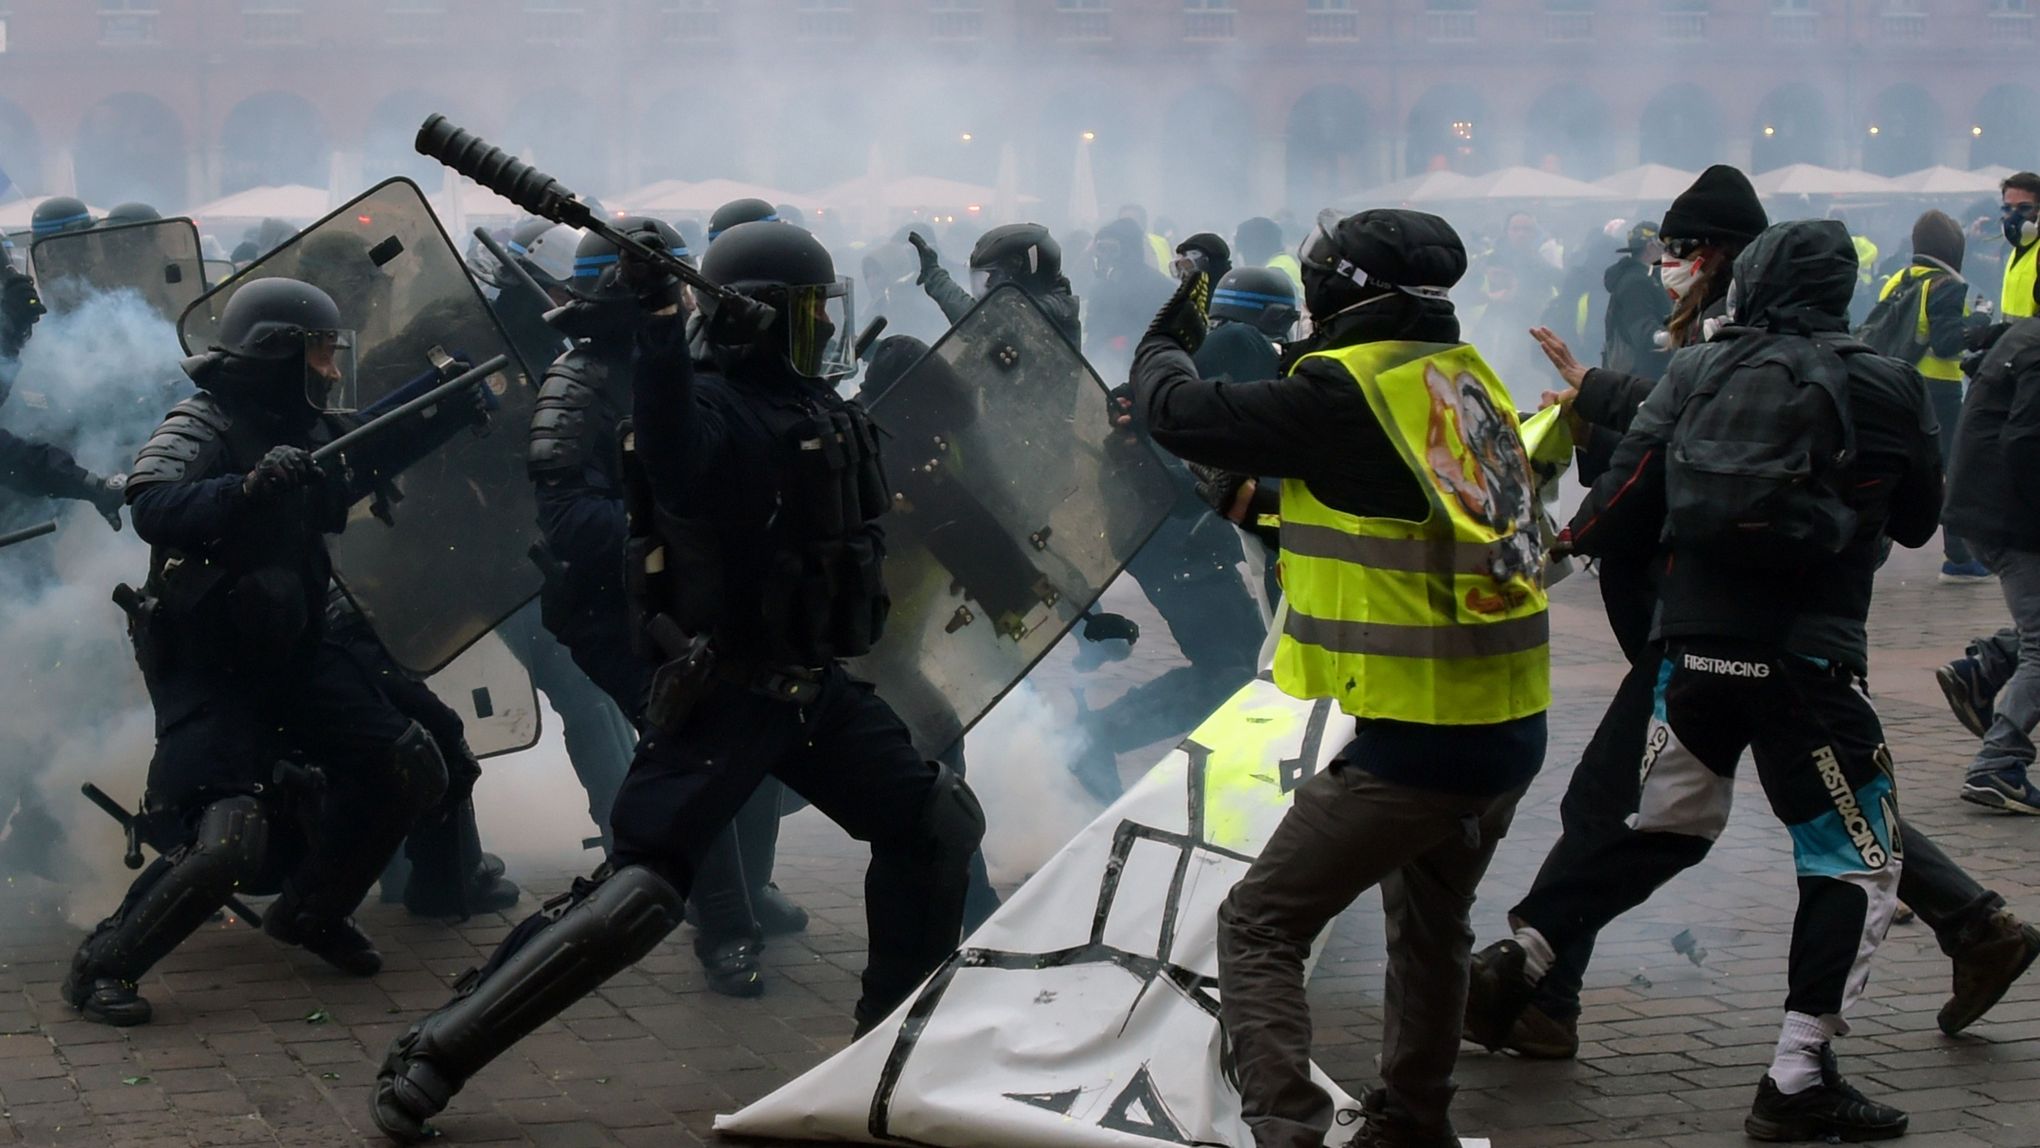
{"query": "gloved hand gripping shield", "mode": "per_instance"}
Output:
(452, 559)
(160, 261)
(1009, 518)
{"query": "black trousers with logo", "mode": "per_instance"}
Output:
(1820, 755)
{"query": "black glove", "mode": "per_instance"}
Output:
(1102, 627)
(736, 320)
(1119, 405)
(1182, 318)
(283, 469)
(929, 261)
(1218, 489)
(107, 496)
(18, 300)
(656, 287)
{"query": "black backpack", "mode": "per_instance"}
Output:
(1892, 328)
(1761, 447)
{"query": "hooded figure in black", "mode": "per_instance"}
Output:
(1634, 341)
(230, 632)
(1124, 295)
(1023, 254)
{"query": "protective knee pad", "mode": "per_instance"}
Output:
(554, 958)
(419, 767)
(952, 822)
(181, 890)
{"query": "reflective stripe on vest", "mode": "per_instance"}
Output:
(1443, 621)
(1931, 366)
(2017, 300)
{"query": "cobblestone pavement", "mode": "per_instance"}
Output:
(256, 1045)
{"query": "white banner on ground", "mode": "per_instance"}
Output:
(1084, 1014)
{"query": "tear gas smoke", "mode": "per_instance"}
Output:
(1019, 758)
(94, 381)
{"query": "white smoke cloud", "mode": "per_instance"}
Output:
(1018, 761)
(94, 381)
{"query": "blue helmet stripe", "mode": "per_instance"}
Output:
(1251, 298)
(45, 226)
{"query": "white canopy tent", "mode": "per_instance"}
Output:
(1812, 179)
(1948, 181)
(1648, 182)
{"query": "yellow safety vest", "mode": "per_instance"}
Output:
(1287, 264)
(1443, 621)
(1866, 259)
(1931, 366)
(1158, 247)
(2017, 302)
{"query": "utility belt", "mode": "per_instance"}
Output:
(691, 668)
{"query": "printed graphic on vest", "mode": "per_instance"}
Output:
(1477, 455)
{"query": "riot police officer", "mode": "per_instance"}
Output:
(573, 461)
(133, 211)
(230, 636)
(28, 467)
(1252, 312)
(759, 557)
(740, 211)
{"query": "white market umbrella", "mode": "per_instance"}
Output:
(1083, 189)
(1424, 187)
(292, 203)
(1648, 182)
(1812, 179)
(1517, 183)
(681, 197)
(1946, 181)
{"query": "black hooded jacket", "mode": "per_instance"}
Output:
(1797, 278)
(1994, 479)
(1637, 310)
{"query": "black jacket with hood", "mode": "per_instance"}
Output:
(1797, 278)
(1994, 477)
(1637, 310)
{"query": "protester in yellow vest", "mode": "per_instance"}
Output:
(1258, 243)
(1934, 327)
(1412, 569)
(2020, 193)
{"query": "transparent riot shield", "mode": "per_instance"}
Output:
(492, 692)
(443, 555)
(1015, 504)
(158, 260)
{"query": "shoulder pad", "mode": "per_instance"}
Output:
(190, 437)
(559, 420)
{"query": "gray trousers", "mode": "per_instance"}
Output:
(1347, 831)
(2008, 744)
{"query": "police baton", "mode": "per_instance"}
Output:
(542, 195)
(27, 532)
(132, 826)
(403, 412)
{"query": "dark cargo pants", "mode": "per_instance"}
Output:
(1347, 832)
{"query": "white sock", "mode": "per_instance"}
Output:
(1537, 954)
(1795, 1067)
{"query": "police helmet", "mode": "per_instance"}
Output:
(270, 319)
(1260, 297)
(596, 274)
(1024, 252)
(789, 269)
(60, 214)
(739, 211)
(549, 256)
(131, 212)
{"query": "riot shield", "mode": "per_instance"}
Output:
(158, 260)
(492, 692)
(443, 556)
(1015, 504)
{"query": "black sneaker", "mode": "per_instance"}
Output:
(1986, 967)
(1497, 992)
(339, 943)
(106, 1000)
(1831, 1109)
(733, 969)
(1962, 683)
(775, 913)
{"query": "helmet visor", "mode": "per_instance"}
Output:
(330, 384)
(819, 330)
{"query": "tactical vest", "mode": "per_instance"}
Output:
(1931, 366)
(822, 591)
(1438, 622)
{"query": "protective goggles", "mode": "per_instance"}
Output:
(1682, 248)
(1321, 253)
